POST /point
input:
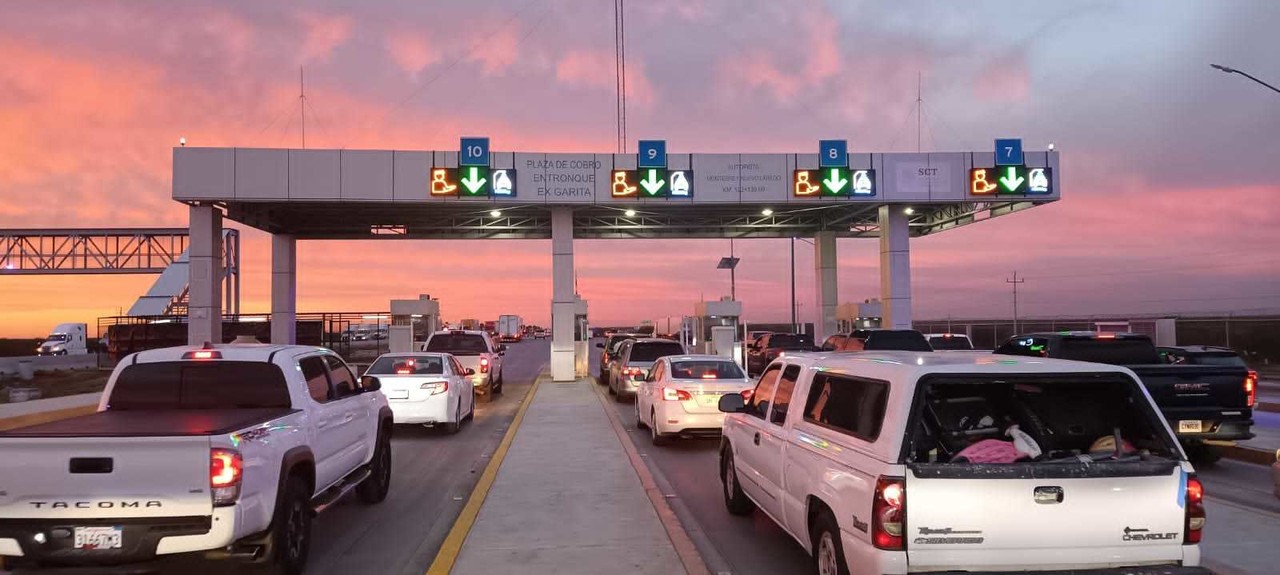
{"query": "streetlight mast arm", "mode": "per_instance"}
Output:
(1245, 74)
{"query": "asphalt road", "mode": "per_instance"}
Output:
(687, 471)
(433, 474)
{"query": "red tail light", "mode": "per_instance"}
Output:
(889, 514)
(1195, 511)
(673, 394)
(226, 469)
(635, 372)
(436, 387)
(1251, 387)
(484, 365)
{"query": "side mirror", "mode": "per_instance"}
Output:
(469, 371)
(600, 345)
(370, 383)
(732, 403)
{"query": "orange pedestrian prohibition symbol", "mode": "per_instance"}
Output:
(803, 186)
(620, 187)
(440, 187)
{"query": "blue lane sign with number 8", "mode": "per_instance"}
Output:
(652, 154)
(833, 154)
(1009, 152)
(474, 152)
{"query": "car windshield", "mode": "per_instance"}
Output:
(458, 343)
(652, 350)
(1115, 351)
(790, 341)
(407, 365)
(705, 369)
(58, 337)
(946, 343)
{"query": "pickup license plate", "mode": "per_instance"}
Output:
(99, 537)
(397, 394)
(1189, 426)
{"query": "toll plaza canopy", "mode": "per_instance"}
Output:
(385, 194)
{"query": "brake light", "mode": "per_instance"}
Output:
(635, 372)
(403, 371)
(1105, 336)
(226, 469)
(202, 354)
(436, 387)
(1251, 387)
(484, 365)
(889, 513)
(708, 376)
(673, 394)
(1195, 510)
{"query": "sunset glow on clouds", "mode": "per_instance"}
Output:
(1171, 184)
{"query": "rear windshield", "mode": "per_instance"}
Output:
(968, 419)
(1214, 359)
(896, 340)
(790, 341)
(709, 369)
(652, 350)
(615, 341)
(1115, 351)
(407, 365)
(940, 343)
(200, 385)
(458, 343)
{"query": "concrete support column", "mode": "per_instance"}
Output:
(825, 284)
(563, 300)
(895, 267)
(204, 308)
(284, 289)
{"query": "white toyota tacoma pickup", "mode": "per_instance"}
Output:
(225, 450)
(925, 462)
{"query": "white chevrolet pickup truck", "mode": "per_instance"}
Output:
(224, 450)
(926, 462)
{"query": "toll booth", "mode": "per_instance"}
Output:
(715, 329)
(412, 321)
(581, 337)
(862, 315)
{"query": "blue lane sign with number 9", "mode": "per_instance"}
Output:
(1009, 152)
(652, 154)
(833, 154)
(474, 152)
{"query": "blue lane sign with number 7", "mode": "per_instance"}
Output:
(474, 152)
(652, 154)
(1009, 152)
(833, 154)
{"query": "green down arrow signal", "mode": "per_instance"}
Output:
(652, 184)
(1011, 179)
(835, 182)
(473, 182)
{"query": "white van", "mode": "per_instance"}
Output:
(897, 462)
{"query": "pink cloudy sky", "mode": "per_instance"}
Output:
(1170, 173)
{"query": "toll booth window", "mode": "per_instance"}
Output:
(652, 350)
(705, 370)
(458, 343)
(407, 365)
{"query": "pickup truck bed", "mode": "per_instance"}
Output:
(152, 423)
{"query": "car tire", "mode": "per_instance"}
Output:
(620, 397)
(659, 439)
(497, 385)
(734, 499)
(484, 394)
(828, 553)
(640, 424)
(453, 426)
(612, 391)
(471, 411)
(291, 529)
(1201, 454)
(374, 488)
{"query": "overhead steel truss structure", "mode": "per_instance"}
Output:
(465, 220)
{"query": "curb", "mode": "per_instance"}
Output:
(1267, 406)
(693, 562)
(1249, 454)
(451, 548)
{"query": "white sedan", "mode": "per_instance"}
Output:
(681, 394)
(426, 388)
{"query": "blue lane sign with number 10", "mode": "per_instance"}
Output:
(652, 154)
(833, 154)
(474, 152)
(1009, 152)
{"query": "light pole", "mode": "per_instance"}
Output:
(1243, 73)
(793, 285)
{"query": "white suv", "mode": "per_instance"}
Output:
(897, 462)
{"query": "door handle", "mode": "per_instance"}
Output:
(757, 440)
(347, 418)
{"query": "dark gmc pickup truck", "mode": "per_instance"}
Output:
(1201, 402)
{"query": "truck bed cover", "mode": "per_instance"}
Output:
(152, 423)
